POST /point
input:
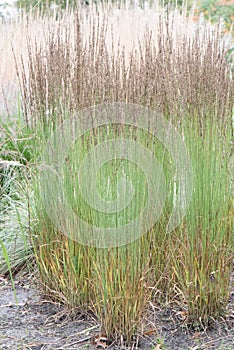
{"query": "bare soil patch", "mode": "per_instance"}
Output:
(36, 323)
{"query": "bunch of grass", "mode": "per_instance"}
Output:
(15, 154)
(203, 244)
(184, 75)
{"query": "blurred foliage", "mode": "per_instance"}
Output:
(44, 4)
(50, 4)
(214, 10)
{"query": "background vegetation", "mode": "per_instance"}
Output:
(212, 10)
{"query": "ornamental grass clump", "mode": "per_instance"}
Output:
(179, 70)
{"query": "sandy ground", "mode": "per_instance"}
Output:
(36, 323)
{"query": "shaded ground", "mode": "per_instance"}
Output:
(36, 323)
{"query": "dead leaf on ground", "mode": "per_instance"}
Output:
(150, 331)
(100, 342)
(195, 335)
(182, 315)
(100, 345)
